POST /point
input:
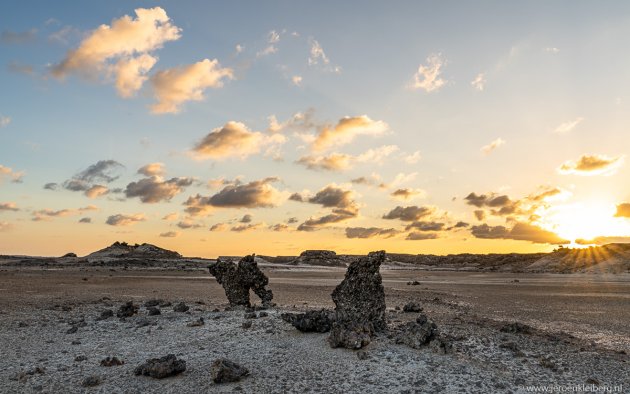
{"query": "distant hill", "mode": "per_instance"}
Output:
(610, 258)
(124, 250)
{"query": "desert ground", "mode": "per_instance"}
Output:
(579, 333)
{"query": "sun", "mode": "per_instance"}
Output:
(584, 221)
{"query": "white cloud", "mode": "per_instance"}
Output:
(346, 130)
(552, 50)
(4, 121)
(16, 176)
(175, 86)
(413, 158)
(121, 50)
(479, 82)
(427, 77)
(297, 80)
(234, 139)
(317, 54)
(568, 126)
(487, 149)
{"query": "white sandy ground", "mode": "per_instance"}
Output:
(281, 359)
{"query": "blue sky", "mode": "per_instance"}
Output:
(551, 90)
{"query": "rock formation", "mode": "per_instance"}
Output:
(319, 257)
(237, 280)
(417, 333)
(161, 367)
(311, 321)
(360, 304)
(225, 371)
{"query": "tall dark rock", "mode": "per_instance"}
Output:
(237, 280)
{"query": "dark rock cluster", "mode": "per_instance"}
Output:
(311, 321)
(417, 333)
(160, 368)
(237, 280)
(225, 371)
(359, 304)
(128, 309)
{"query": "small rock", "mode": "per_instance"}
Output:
(91, 381)
(516, 328)
(106, 314)
(128, 309)
(592, 381)
(153, 311)
(22, 324)
(72, 330)
(143, 322)
(250, 315)
(161, 367)
(153, 302)
(263, 314)
(111, 362)
(413, 283)
(80, 358)
(412, 307)
(418, 333)
(225, 371)
(181, 307)
(247, 324)
(196, 323)
(440, 345)
(362, 355)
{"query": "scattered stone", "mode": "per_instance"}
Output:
(362, 355)
(106, 314)
(417, 333)
(237, 280)
(160, 368)
(547, 362)
(359, 304)
(153, 302)
(413, 283)
(80, 358)
(143, 322)
(440, 345)
(111, 362)
(250, 315)
(263, 314)
(72, 330)
(592, 381)
(128, 309)
(412, 307)
(66, 308)
(91, 381)
(196, 323)
(75, 342)
(181, 307)
(166, 304)
(22, 324)
(517, 328)
(311, 321)
(247, 324)
(153, 311)
(226, 371)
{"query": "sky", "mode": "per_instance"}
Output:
(225, 128)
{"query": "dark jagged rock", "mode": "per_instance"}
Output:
(413, 283)
(91, 381)
(237, 280)
(311, 321)
(153, 311)
(111, 362)
(196, 323)
(412, 307)
(106, 314)
(225, 371)
(359, 304)
(181, 307)
(128, 309)
(517, 328)
(153, 302)
(160, 368)
(417, 333)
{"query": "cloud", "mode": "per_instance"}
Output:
(219, 227)
(121, 50)
(425, 226)
(346, 130)
(188, 224)
(85, 220)
(416, 236)
(332, 196)
(332, 162)
(500, 204)
(19, 68)
(407, 193)
(5, 226)
(604, 240)
(103, 171)
(175, 86)
(413, 158)
(589, 165)
(317, 56)
(21, 37)
(125, 220)
(4, 121)
(171, 216)
(246, 227)
(8, 206)
(427, 77)
(279, 227)
(255, 194)
(155, 189)
(96, 191)
(272, 38)
(299, 122)
(487, 149)
(480, 214)
(234, 139)
(170, 234)
(247, 218)
(16, 176)
(623, 210)
(479, 82)
(296, 80)
(51, 186)
(520, 231)
(552, 50)
(567, 126)
(370, 232)
(152, 169)
(410, 213)
(47, 214)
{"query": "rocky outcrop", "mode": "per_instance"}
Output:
(359, 304)
(160, 368)
(417, 333)
(237, 280)
(311, 321)
(137, 251)
(225, 371)
(319, 257)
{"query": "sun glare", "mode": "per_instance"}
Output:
(584, 221)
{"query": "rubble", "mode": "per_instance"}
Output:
(359, 304)
(225, 371)
(160, 368)
(311, 321)
(237, 280)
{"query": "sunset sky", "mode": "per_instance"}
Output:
(273, 127)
